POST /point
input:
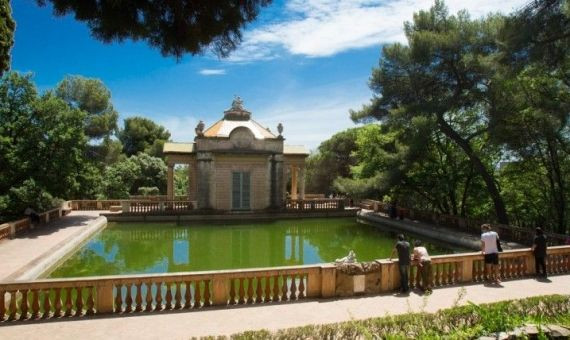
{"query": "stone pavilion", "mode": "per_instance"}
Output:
(237, 164)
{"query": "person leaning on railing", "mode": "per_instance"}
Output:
(423, 261)
(539, 250)
(490, 248)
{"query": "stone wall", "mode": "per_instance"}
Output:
(256, 165)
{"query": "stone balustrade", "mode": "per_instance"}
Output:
(315, 204)
(506, 232)
(11, 229)
(94, 204)
(75, 297)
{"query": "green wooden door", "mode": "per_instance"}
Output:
(241, 191)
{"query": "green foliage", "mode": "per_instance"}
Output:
(464, 322)
(143, 135)
(42, 143)
(181, 181)
(176, 28)
(7, 27)
(333, 159)
(148, 191)
(92, 97)
(125, 177)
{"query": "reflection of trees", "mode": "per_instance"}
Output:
(143, 248)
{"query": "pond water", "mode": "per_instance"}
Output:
(136, 248)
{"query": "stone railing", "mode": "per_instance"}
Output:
(156, 207)
(75, 297)
(315, 204)
(153, 293)
(11, 229)
(157, 198)
(506, 232)
(94, 204)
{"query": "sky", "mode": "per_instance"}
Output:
(304, 63)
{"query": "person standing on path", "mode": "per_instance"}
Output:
(421, 257)
(539, 250)
(489, 248)
(403, 249)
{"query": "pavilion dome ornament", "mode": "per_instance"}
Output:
(200, 129)
(280, 129)
(237, 112)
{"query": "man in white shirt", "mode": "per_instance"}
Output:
(489, 240)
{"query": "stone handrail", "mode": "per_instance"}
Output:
(94, 204)
(11, 229)
(315, 204)
(156, 198)
(125, 294)
(507, 232)
(132, 207)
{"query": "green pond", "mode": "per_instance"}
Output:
(136, 248)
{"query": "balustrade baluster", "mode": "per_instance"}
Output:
(158, 306)
(206, 293)
(35, 304)
(13, 309)
(138, 297)
(188, 296)
(90, 301)
(57, 303)
(284, 289)
(275, 288)
(258, 290)
(293, 295)
(2, 305)
(241, 291)
(129, 298)
(458, 272)
(267, 289)
(148, 298)
(68, 302)
(177, 297)
(79, 302)
(119, 298)
(301, 286)
(168, 305)
(197, 295)
(436, 276)
(232, 292)
(249, 290)
(24, 305)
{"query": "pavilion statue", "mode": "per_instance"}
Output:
(237, 164)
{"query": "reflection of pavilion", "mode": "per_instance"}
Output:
(237, 164)
(234, 248)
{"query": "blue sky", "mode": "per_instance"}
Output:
(304, 63)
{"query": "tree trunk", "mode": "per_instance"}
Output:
(479, 167)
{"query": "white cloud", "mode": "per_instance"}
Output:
(319, 28)
(212, 72)
(181, 127)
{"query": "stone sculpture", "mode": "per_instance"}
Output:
(200, 129)
(350, 258)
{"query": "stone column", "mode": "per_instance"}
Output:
(170, 182)
(294, 182)
(205, 172)
(302, 183)
(276, 182)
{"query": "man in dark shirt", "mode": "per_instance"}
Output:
(403, 249)
(539, 250)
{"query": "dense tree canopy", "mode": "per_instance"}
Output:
(175, 27)
(143, 135)
(7, 27)
(92, 97)
(474, 117)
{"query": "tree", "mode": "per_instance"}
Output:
(92, 97)
(333, 159)
(42, 144)
(175, 27)
(143, 135)
(441, 74)
(7, 27)
(125, 177)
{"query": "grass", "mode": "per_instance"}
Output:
(459, 322)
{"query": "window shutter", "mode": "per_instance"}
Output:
(245, 203)
(236, 190)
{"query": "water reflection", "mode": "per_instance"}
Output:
(129, 248)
